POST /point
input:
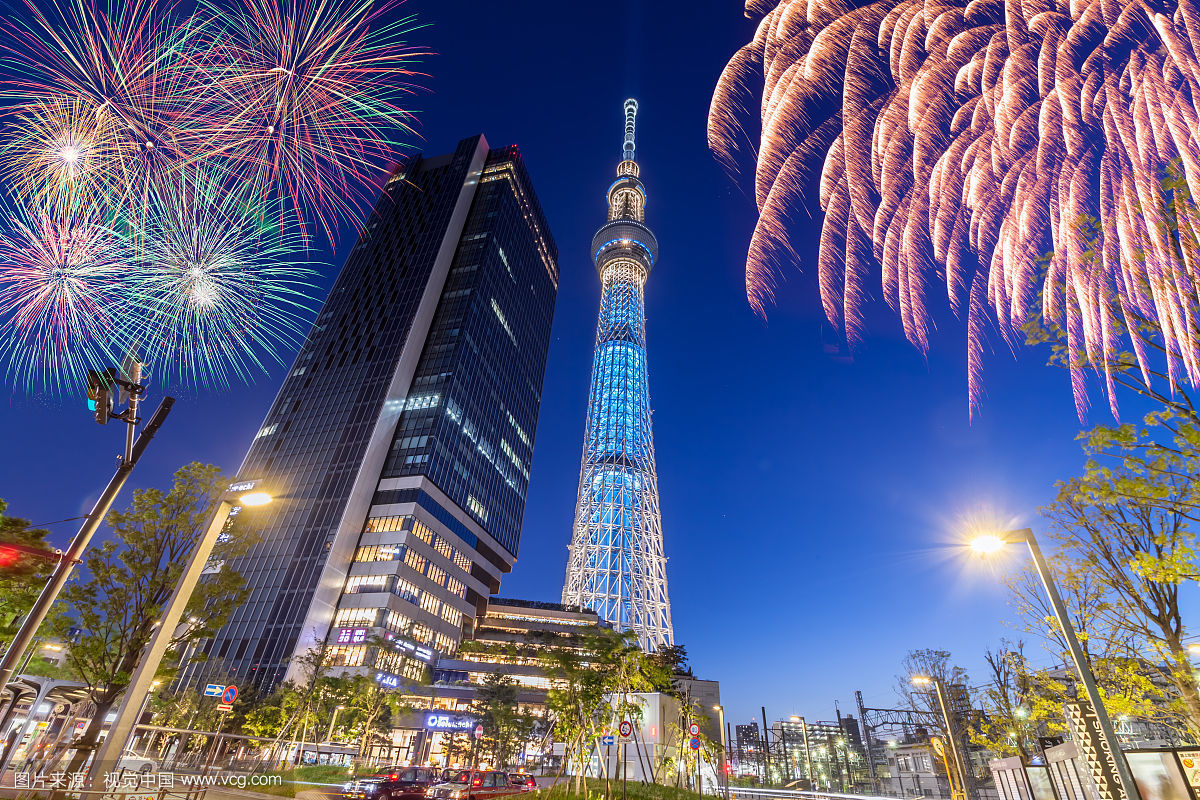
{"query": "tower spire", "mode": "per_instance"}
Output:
(631, 108)
(616, 566)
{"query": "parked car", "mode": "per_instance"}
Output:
(412, 782)
(469, 784)
(526, 783)
(372, 787)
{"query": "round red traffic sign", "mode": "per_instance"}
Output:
(478, 731)
(625, 729)
(694, 729)
(229, 695)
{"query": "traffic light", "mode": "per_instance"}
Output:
(100, 387)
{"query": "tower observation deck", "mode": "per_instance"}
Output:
(615, 564)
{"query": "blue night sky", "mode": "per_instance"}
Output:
(807, 499)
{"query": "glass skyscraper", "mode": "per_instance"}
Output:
(616, 565)
(400, 444)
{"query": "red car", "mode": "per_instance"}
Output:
(469, 784)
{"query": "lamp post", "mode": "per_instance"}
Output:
(74, 554)
(951, 731)
(989, 544)
(808, 768)
(725, 765)
(143, 677)
(332, 720)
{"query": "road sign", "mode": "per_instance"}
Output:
(225, 708)
(478, 731)
(625, 729)
(694, 729)
(608, 741)
(694, 743)
(229, 695)
(214, 690)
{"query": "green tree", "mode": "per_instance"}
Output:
(132, 576)
(1013, 717)
(505, 727)
(594, 674)
(22, 576)
(1123, 532)
(665, 667)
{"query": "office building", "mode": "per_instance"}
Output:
(399, 447)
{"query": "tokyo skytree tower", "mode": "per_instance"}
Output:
(616, 565)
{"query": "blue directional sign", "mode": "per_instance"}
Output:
(214, 690)
(608, 741)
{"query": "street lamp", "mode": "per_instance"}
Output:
(725, 765)
(991, 543)
(142, 680)
(333, 719)
(951, 733)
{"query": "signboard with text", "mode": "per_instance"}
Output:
(449, 722)
(1190, 759)
(1101, 762)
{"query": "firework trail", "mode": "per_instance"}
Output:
(212, 143)
(955, 143)
(61, 294)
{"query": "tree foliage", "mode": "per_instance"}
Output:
(505, 726)
(595, 676)
(132, 576)
(23, 576)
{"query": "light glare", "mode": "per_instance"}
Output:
(255, 499)
(987, 544)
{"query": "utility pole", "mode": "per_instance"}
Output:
(103, 385)
(766, 742)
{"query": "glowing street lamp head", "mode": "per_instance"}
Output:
(255, 499)
(921, 680)
(987, 544)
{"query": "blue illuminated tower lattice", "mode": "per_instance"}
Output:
(616, 565)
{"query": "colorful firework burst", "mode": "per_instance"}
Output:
(284, 109)
(306, 100)
(958, 142)
(129, 64)
(61, 152)
(62, 295)
(219, 287)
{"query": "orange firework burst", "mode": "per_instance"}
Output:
(958, 142)
(61, 151)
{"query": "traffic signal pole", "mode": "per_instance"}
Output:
(33, 620)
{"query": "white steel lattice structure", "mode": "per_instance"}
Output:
(616, 565)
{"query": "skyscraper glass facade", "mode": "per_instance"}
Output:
(469, 423)
(440, 315)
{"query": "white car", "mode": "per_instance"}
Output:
(132, 762)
